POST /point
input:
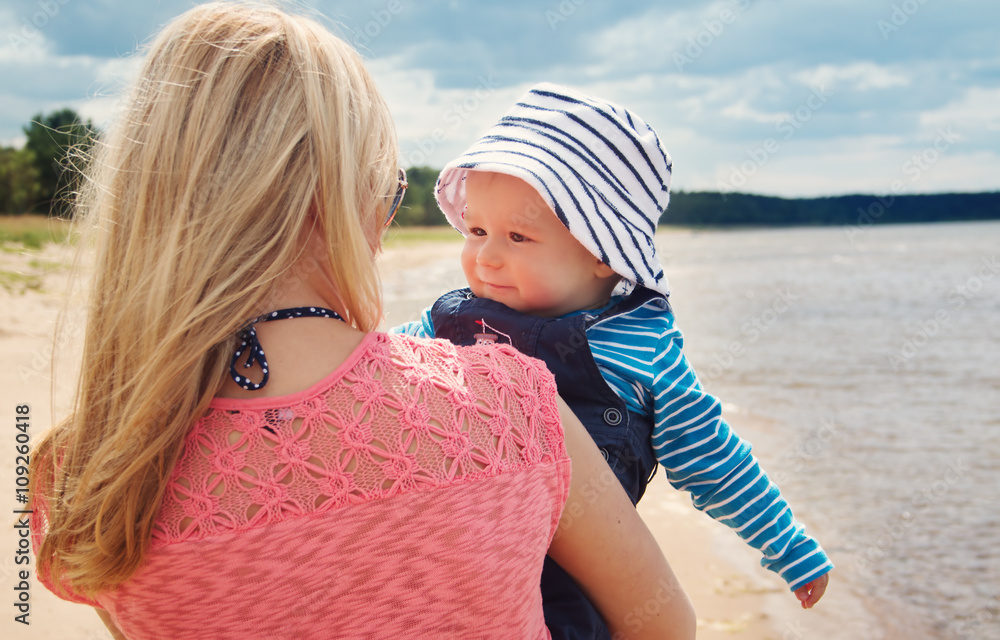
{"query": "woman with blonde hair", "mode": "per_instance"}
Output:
(349, 483)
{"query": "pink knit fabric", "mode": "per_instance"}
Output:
(412, 493)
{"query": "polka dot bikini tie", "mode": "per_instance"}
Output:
(255, 353)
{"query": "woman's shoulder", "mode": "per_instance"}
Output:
(500, 364)
(494, 387)
(410, 415)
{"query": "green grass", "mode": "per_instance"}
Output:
(19, 283)
(48, 266)
(35, 231)
(401, 236)
(32, 231)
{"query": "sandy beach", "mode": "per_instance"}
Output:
(733, 596)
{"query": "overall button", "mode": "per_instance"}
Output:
(604, 452)
(613, 416)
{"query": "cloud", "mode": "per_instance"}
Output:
(864, 164)
(974, 110)
(858, 76)
(97, 28)
(717, 80)
(435, 124)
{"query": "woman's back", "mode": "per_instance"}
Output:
(412, 493)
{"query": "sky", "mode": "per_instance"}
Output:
(791, 98)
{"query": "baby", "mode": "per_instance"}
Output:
(558, 204)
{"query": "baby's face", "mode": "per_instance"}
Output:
(518, 253)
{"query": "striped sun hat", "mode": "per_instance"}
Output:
(600, 167)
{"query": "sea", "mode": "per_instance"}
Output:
(870, 359)
(874, 353)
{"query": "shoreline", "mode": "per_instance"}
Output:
(733, 596)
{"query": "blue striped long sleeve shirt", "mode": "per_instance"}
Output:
(640, 355)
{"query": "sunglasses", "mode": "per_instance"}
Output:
(398, 199)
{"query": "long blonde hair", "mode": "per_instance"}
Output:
(247, 129)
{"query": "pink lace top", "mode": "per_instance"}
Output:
(412, 493)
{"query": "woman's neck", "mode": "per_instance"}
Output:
(300, 351)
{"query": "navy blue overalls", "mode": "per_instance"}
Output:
(622, 435)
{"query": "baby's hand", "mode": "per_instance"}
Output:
(810, 593)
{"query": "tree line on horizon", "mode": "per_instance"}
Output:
(38, 178)
(711, 208)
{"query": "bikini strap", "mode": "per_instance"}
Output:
(255, 353)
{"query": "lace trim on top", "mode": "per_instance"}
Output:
(400, 415)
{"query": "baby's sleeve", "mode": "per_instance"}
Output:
(705, 457)
(422, 328)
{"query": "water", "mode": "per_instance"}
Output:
(873, 358)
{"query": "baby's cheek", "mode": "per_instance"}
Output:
(468, 264)
(542, 292)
